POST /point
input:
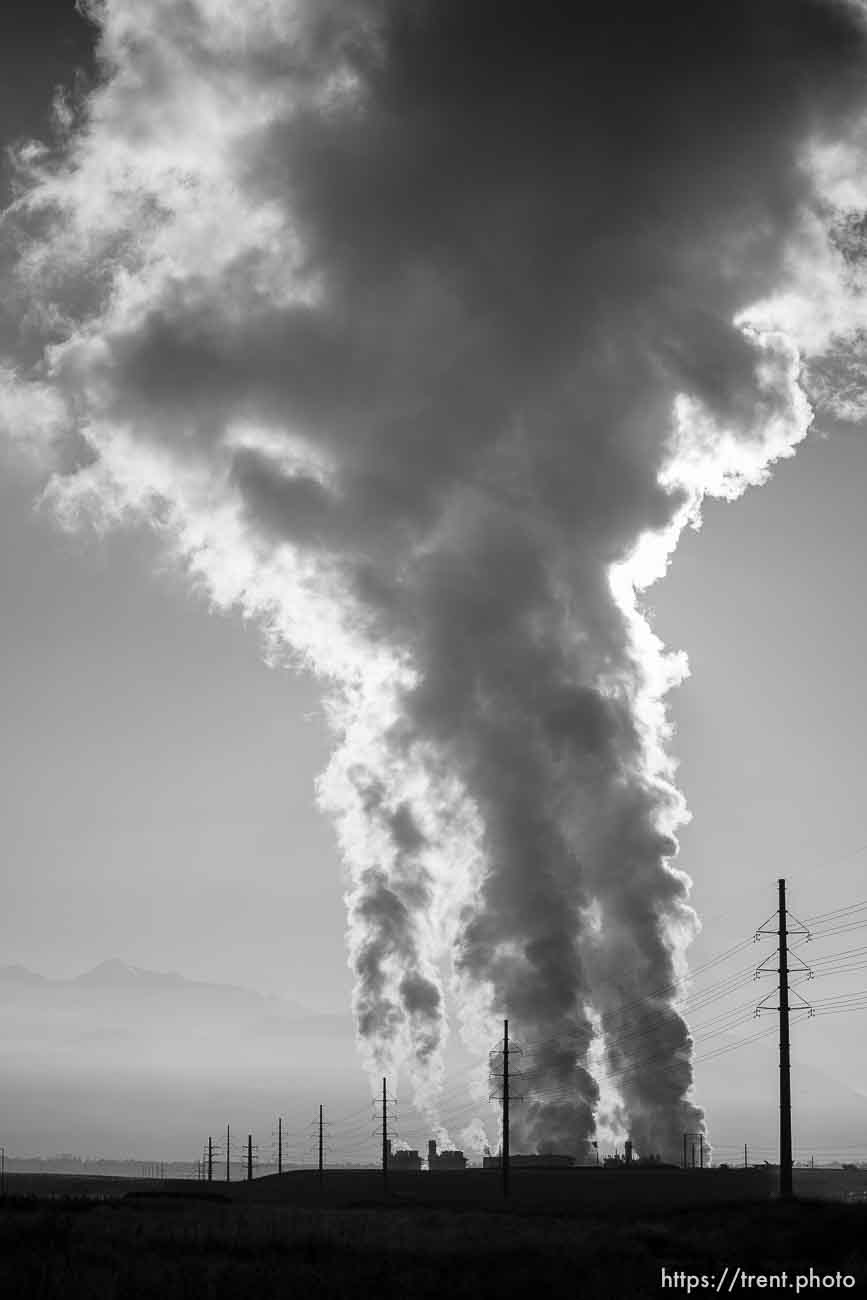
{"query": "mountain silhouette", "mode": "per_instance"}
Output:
(119, 979)
(115, 973)
(17, 974)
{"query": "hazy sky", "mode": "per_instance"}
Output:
(157, 791)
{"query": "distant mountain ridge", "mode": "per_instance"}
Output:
(19, 974)
(115, 973)
(119, 976)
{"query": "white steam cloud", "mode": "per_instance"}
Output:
(421, 330)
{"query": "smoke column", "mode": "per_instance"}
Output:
(420, 330)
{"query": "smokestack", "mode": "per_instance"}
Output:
(419, 334)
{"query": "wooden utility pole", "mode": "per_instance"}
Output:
(228, 1171)
(249, 1157)
(321, 1149)
(279, 1144)
(505, 1108)
(210, 1160)
(782, 932)
(384, 1137)
(785, 1056)
(502, 1081)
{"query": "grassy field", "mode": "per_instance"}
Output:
(161, 1247)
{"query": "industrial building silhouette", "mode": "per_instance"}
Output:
(409, 1160)
(444, 1159)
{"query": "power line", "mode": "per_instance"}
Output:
(820, 918)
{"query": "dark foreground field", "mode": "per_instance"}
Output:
(163, 1246)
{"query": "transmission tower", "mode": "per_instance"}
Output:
(786, 925)
(384, 1104)
(503, 1091)
(251, 1151)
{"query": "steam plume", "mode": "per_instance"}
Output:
(422, 329)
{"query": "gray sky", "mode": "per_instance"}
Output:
(158, 776)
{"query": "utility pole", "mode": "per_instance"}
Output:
(249, 1157)
(279, 1144)
(210, 1160)
(384, 1137)
(689, 1141)
(505, 1108)
(782, 932)
(228, 1170)
(382, 1120)
(322, 1148)
(746, 1164)
(785, 1055)
(503, 1080)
